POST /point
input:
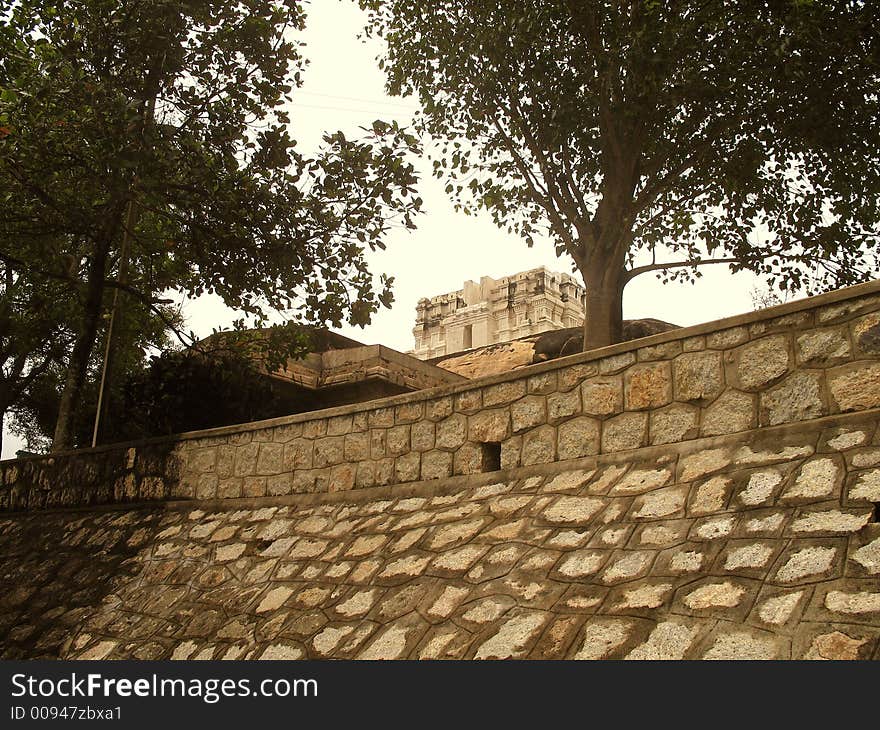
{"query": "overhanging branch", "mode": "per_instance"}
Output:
(633, 273)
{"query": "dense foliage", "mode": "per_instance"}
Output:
(655, 136)
(155, 132)
(187, 391)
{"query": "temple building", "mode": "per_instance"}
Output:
(497, 310)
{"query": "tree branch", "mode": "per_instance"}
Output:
(633, 273)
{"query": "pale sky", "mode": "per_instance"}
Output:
(343, 90)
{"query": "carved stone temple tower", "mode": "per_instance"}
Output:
(497, 310)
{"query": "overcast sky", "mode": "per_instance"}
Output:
(344, 89)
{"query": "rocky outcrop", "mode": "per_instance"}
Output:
(570, 341)
(506, 356)
(489, 360)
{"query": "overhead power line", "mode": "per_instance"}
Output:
(412, 106)
(348, 109)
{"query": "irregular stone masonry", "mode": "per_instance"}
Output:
(736, 548)
(797, 362)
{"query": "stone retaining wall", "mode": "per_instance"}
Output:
(792, 363)
(762, 545)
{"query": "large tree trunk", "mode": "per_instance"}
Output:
(603, 268)
(603, 321)
(601, 258)
(77, 368)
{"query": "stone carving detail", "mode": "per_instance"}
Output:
(497, 310)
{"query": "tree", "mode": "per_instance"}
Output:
(175, 391)
(35, 409)
(190, 390)
(647, 136)
(154, 132)
(33, 336)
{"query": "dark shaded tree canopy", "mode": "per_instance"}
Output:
(34, 339)
(156, 132)
(188, 391)
(35, 412)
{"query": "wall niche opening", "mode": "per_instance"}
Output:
(491, 456)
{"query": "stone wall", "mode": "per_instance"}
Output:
(762, 545)
(793, 363)
(706, 493)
